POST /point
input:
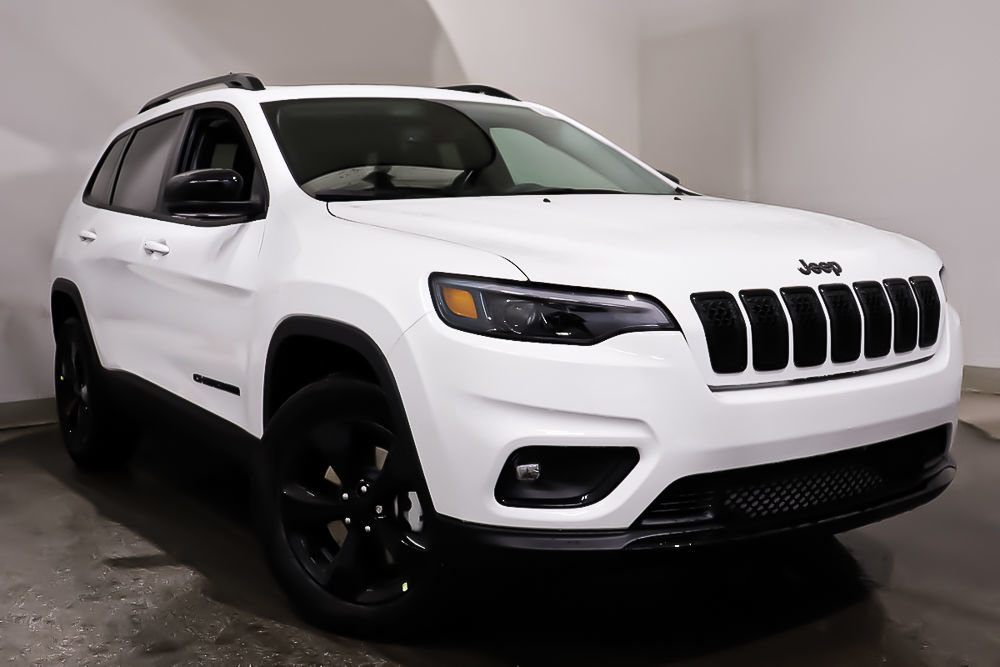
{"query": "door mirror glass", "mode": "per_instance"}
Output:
(207, 192)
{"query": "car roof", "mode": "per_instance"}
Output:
(240, 90)
(238, 96)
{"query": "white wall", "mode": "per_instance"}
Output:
(885, 112)
(697, 111)
(578, 56)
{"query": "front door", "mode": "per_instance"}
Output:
(197, 276)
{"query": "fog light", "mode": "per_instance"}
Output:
(574, 476)
(528, 472)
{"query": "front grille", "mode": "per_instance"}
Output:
(802, 490)
(868, 318)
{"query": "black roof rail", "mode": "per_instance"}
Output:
(231, 80)
(481, 89)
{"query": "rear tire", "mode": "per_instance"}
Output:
(96, 435)
(340, 513)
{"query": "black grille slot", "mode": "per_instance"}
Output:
(725, 330)
(878, 318)
(808, 325)
(845, 322)
(930, 309)
(681, 508)
(904, 310)
(794, 492)
(768, 329)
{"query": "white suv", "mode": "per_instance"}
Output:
(438, 318)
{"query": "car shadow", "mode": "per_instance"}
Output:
(651, 609)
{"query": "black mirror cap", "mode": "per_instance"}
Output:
(670, 176)
(203, 185)
(215, 193)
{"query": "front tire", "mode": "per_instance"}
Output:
(340, 510)
(96, 436)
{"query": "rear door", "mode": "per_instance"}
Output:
(122, 192)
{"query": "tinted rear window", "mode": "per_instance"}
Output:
(103, 180)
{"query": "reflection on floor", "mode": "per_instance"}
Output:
(981, 410)
(159, 566)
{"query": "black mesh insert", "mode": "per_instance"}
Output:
(801, 490)
(725, 330)
(768, 329)
(904, 310)
(845, 322)
(930, 309)
(877, 316)
(808, 325)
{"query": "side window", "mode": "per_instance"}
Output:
(531, 160)
(216, 141)
(98, 190)
(145, 161)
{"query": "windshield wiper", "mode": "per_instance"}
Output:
(567, 191)
(370, 194)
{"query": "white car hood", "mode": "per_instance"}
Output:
(653, 243)
(669, 248)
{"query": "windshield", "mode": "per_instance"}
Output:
(386, 148)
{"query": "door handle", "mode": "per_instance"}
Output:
(156, 248)
(88, 235)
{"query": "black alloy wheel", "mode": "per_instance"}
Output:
(73, 391)
(342, 513)
(346, 512)
(96, 435)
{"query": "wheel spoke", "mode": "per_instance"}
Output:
(302, 505)
(372, 435)
(390, 479)
(392, 534)
(332, 441)
(346, 573)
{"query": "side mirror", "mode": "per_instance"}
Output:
(208, 192)
(670, 176)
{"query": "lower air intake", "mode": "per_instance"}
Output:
(801, 491)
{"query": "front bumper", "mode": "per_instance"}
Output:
(471, 401)
(908, 491)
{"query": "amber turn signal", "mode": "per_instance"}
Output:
(460, 302)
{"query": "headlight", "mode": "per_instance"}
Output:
(544, 313)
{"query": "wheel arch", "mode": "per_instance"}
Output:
(357, 354)
(65, 301)
(347, 337)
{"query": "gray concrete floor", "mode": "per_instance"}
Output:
(159, 566)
